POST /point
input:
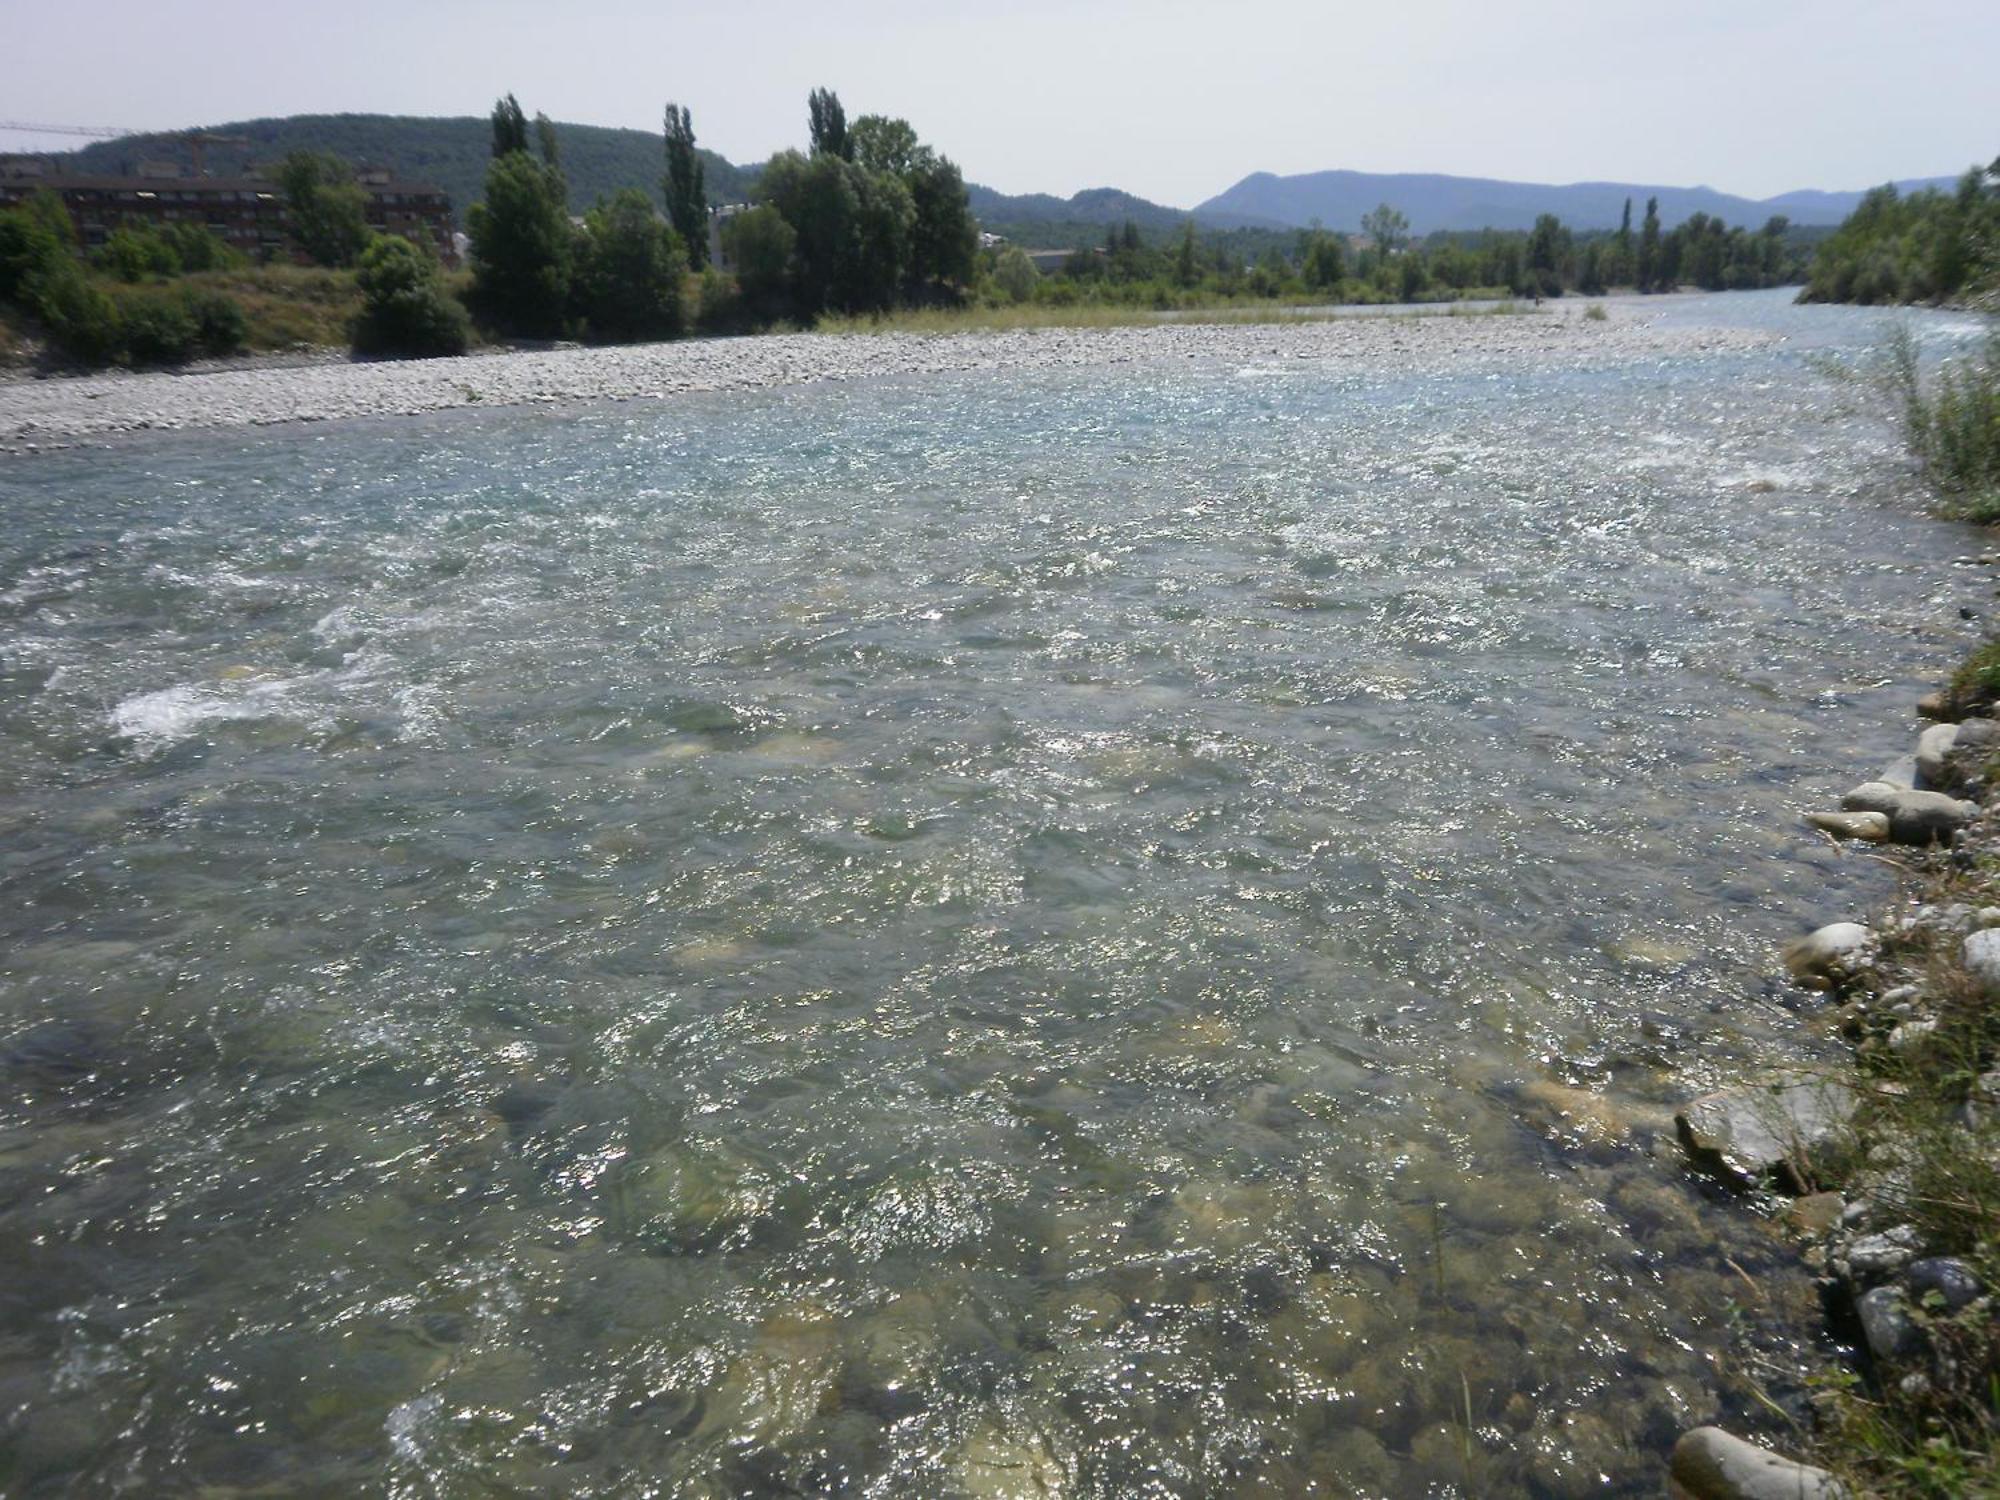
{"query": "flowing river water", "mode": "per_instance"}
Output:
(1088, 933)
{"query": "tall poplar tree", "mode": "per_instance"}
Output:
(1649, 246)
(828, 123)
(510, 127)
(686, 186)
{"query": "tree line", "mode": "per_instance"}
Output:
(1928, 246)
(1385, 263)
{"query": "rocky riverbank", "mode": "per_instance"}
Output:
(1891, 1167)
(65, 411)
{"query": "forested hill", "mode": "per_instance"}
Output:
(1433, 201)
(451, 152)
(454, 154)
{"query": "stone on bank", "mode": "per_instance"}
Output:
(1709, 1464)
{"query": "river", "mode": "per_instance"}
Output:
(1093, 932)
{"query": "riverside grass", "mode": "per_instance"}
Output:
(1952, 424)
(1936, 1437)
(1935, 1434)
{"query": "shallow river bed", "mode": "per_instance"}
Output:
(1090, 932)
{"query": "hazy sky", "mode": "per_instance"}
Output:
(1174, 101)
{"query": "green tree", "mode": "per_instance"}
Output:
(405, 307)
(1388, 227)
(545, 138)
(630, 272)
(326, 211)
(1015, 274)
(521, 247)
(944, 239)
(1187, 268)
(827, 122)
(853, 229)
(36, 237)
(1548, 256)
(687, 189)
(880, 144)
(1324, 263)
(510, 127)
(761, 246)
(1648, 268)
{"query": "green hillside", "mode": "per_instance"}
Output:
(453, 153)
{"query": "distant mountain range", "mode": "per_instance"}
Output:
(453, 152)
(1433, 201)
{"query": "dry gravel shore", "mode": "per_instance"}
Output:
(39, 414)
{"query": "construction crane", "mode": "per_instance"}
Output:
(95, 132)
(197, 141)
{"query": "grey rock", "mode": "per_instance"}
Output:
(1876, 1257)
(1873, 796)
(1934, 748)
(1710, 1464)
(1901, 773)
(1910, 1033)
(1891, 1332)
(1982, 1102)
(1928, 817)
(1753, 1131)
(1830, 956)
(1947, 1277)
(1981, 957)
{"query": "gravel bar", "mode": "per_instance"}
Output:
(66, 411)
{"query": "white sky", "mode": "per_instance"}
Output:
(1173, 100)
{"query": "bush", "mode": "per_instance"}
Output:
(220, 325)
(1015, 274)
(33, 240)
(138, 252)
(160, 329)
(199, 248)
(406, 309)
(1952, 425)
(80, 318)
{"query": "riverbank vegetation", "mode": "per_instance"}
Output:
(1952, 423)
(1922, 1422)
(867, 224)
(1929, 246)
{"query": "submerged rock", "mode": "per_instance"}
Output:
(1832, 955)
(1754, 1131)
(1710, 1464)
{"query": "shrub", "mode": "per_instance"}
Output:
(406, 309)
(199, 248)
(1952, 425)
(220, 325)
(1015, 274)
(137, 252)
(80, 318)
(32, 240)
(159, 329)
